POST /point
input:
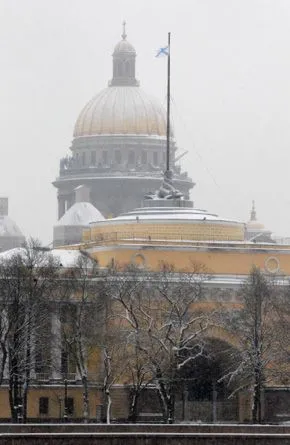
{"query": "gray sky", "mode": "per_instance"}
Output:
(230, 88)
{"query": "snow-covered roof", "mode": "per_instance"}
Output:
(80, 214)
(8, 227)
(65, 257)
(170, 214)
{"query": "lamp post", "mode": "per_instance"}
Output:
(65, 414)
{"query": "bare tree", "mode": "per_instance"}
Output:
(27, 281)
(162, 323)
(125, 288)
(115, 364)
(256, 324)
(83, 309)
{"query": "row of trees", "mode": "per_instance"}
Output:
(129, 325)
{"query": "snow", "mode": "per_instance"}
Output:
(171, 214)
(66, 257)
(80, 214)
(8, 254)
(8, 227)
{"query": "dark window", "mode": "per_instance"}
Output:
(43, 405)
(131, 157)
(144, 158)
(105, 157)
(68, 313)
(93, 157)
(155, 158)
(70, 405)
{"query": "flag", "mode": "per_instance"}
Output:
(163, 52)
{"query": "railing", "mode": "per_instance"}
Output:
(165, 237)
(43, 377)
(87, 171)
(46, 377)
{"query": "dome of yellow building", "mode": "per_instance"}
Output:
(167, 223)
(121, 110)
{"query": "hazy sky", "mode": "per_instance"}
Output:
(230, 88)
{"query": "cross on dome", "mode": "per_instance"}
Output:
(124, 35)
(253, 212)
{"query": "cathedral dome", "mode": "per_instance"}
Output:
(121, 110)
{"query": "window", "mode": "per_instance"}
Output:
(93, 158)
(43, 405)
(144, 157)
(155, 158)
(105, 157)
(131, 157)
(118, 157)
(70, 405)
(84, 158)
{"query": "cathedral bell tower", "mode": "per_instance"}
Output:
(124, 57)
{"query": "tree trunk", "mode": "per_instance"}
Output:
(11, 402)
(108, 404)
(256, 410)
(171, 408)
(166, 398)
(28, 365)
(85, 398)
(133, 410)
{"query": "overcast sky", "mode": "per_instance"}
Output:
(230, 89)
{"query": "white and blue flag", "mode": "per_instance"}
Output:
(163, 52)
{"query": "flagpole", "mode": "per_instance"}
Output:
(168, 109)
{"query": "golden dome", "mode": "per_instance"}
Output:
(121, 110)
